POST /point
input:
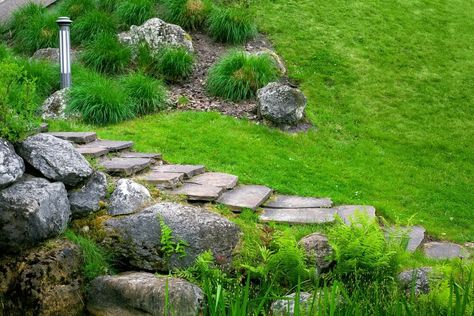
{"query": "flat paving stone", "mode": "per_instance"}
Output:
(93, 151)
(140, 155)
(298, 216)
(163, 180)
(217, 179)
(346, 212)
(111, 145)
(125, 166)
(245, 196)
(297, 202)
(415, 235)
(189, 171)
(76, 137)
(444, 250)
(198, 192)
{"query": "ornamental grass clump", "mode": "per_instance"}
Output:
(88, 26)
(76, 8)
(231, 25)
(189, 14)
(148, 95)
(135, 12)
(238, 75)
(108, 6)
(106, 54)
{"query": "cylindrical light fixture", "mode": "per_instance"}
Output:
(65, 51)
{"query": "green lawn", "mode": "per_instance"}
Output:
(390, 88)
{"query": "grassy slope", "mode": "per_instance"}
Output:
(390, 90)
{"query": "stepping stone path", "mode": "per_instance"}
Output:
(216, 179)
(93, 151)
(245, 196)
(125, 166)
(76, 137)
(188, 171)
(298, 215)
(444, 250)
(199, 192)
(297, 202)
(163, 180)
(110, 145)
(346, 212)
(415, 236)
(140, 155)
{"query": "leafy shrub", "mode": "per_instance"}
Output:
(238, 75)
(190, 14)
(100, 101)
(76, 8)
(106, 54)
(231, 25)
(135, 12)
(148, 95)
(88, 26)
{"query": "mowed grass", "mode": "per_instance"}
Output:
(390, 88)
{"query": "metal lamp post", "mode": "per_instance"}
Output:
(65, 51)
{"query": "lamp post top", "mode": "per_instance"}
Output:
(63, 20)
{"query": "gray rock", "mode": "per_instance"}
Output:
(416, 280)
(55, 158)
(281, 104)
(76, 137)
(188, 171)
(317, 250)
(136, 237)
(298, 202)
(157, 34)
(54, 106)
(245, 196)
(51, 54)
(444, 250)
(286, 307)
(32, 210)
(140, 293)
(347, 212)
(278, 62)
(87, 198)
(93, 151)
(12, 166)
(110, 145)
(128, 197)
(216, 179)
(125, 166)
(298, 216)
(163, 179)
(413, 235)
(198, 192)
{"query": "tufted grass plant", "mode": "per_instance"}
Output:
(106, 54)
(238, 75)
(88, 26)
(23, 15)
(108, 6)
(135, 12)
(45, 75)
(148, 94)
(190, 14)
(76, 8)
(231, 25)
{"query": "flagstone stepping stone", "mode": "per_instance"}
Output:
(140, 155)
(245, 196)
(346, 212)
(217, 179)
(198, 192)
(298, 216)
(76, 137)
(415, 235)
(93, 151)
(298, 202)
(189, 171)
(163, 179)
(444, 250)
(111, 145)
(125, 166)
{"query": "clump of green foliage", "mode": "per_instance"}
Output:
(108, 6)
(91, 24)
(168, 244)
(76, 8)
(106, 54)
(231, 25)
(238, 75)
(135, 12)
(44, 73)
(148, 94)
(190, 14)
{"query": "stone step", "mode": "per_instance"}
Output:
(245, 196)
(93, 151)
(347, 212)
(154, 156)
(111, 145)
(216, 179)
(297, 202)
(163, 180)
(298, 216)
(415, 235)
(76, 137)
(444, 250)
(198, 192)
(189, 171)
(125, 166)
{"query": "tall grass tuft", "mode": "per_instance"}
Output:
(238, 75)
(93, 23)
(108, 6)
(44, 74)
(190, 14)
(135, 12)
(231, 25)
(148, 95)
(76, 8)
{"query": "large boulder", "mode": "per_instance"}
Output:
(318, 251)
(32, 210)
(54, 107)
(46, 280)
(87, 198)
(140, 294)
(55, 158)
(157, 34)
(416, 280)
(128, 197)
(137, 237)
(12, 166)
(281, 104)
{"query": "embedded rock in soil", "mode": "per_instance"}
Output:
(128, 197)
(87, 198)
(318, 251)
(140, 293)
(51, 54)
(46, 280)
(286, 307)
(55, 158)
(415, 279)
(281, 104)
(136, 237)
(55, 105)
(12, 166)
(32, 210)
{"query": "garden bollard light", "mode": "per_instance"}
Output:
(65, 51)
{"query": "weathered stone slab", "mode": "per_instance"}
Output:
(163, 179)
(86, 199)
(216, 179)
(198, 192)
(346, 212)
(141, 155)
(288, 201)
(444, 250)
(415, 235)
(76, 137)
(298, 216)
(93, 151)
(128, 197)
(245, 196)
(111, 145)
(125, 166)
(189, 171)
